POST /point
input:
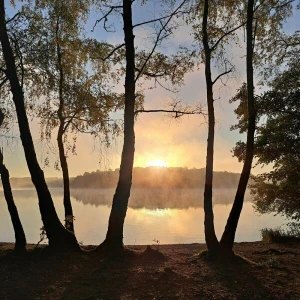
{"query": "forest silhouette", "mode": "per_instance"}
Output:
(148, 177)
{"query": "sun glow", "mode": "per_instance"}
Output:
(157, 163)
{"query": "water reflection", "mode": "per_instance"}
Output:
(168, 216)
(156, 198)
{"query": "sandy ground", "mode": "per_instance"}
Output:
(266, 271)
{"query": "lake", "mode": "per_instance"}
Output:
(170, 216)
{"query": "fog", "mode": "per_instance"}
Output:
(157, 198)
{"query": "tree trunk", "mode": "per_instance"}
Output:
(210, 235)
(20, 245)
(58, 236)
(114, 236)
(69, 218)
(227, 239)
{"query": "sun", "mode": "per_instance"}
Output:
(157, 163)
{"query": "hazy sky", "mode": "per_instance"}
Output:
(158, 137)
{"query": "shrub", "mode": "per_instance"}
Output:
(278, 235)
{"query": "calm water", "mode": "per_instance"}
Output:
(168, 216)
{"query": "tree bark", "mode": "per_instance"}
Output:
(20, 244)
(69, 218)
(114, 236)
(228, 236)
(210, 235)
(58, 236)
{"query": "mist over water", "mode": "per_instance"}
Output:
(157, 198)
(167, 215)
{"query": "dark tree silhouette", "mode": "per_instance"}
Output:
(164, 68)
(228, 236)
(20, 238)
(20, 244)
(210, 235)
(216, 28)
(58, 236)
(114, 236)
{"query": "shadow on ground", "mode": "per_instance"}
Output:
(175, 272)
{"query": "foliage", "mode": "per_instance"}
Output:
(223, 21)
(277, 143)
(58, 56)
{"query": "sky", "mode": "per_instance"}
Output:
(178, 143)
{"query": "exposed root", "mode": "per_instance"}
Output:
(153, 255)
(113, 251)
(224, 257)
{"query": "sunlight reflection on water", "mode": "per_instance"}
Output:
(142, 225)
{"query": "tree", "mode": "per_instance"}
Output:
(68, 78)
(58, 236)
(220, 20)
(114, 236)
(20, 238)
(228, 236)
(218, 25)
(277, 142)
(260, 17)
(150, 65)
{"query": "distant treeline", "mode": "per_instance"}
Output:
(149, 177)
(26, 183)
(156, 177)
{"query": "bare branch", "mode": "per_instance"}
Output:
(222, 74)
(69, 121)
(159, 38)
(178, 113)
(113, 51)
(164, 87)
(14, 17)
(83, 131)
(158, 19)
(176, 108)
(112, 8)
(153, 75)
(226, 34)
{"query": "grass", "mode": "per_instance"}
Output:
(279, 235)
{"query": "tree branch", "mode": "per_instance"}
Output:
(113, 51)
(222, 74)
(14, 17)
(153, 75)
(158, 19)
(226, 34)
(158, 39)
(112, 8)
(178, 113)
(69, 121)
